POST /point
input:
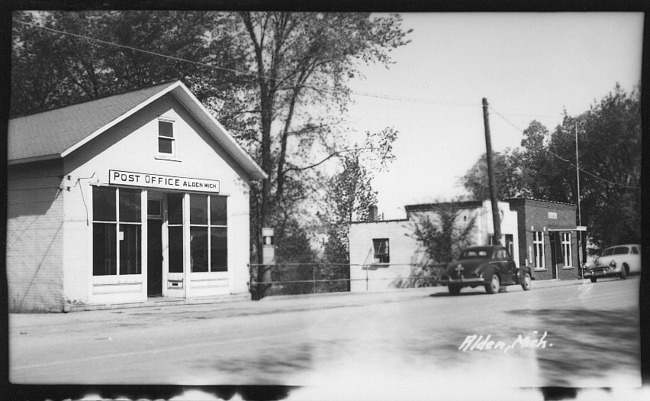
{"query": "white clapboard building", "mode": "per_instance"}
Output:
(123, 199)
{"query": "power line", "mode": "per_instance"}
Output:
(244, 73)
(565, 160)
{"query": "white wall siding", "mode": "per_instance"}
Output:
(132, 145)
(34, 256)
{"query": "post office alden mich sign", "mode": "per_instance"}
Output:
(118, 177)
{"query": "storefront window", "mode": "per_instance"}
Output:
(208, 233)
(104, 249)
(116, 231)
(198, 209)
(199, 245)
(219, 252)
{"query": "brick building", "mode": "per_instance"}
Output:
(549, 238)
(124, 198)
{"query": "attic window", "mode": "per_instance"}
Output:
(166, 140)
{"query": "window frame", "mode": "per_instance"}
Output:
(209, 226)
(384, 257)
(538, 250)
(174, 145)
(117, 224)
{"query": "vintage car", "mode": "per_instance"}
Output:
(619, 260)
(490, 266)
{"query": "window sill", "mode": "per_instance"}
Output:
(168, 158)
(539, 269)
(567, 267)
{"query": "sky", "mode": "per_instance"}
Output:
(529, 66)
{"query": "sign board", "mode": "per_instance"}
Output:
(552, 215)
(162, 181)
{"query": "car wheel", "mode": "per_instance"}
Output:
(593, 279)
(454, 289)
(625, 269)
(527, 283)
(494, 286)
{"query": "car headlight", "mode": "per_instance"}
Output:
(612, 263)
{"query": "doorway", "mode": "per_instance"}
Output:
(154, 249)
(556, 253)
(154, 258)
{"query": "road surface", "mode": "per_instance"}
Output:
(583, 335)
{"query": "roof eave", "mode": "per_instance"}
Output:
(34, 159)
(218, 131)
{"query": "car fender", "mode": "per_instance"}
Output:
(490, 269)
(521, 273)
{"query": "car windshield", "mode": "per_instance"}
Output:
(617, 250)
(481, 253)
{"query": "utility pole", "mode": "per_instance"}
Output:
(578, 197)
(491, 182)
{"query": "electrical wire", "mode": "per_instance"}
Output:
(358, 93)
(563, 159)
(243, 73)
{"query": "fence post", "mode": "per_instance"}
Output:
(313, 275)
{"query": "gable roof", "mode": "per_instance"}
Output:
(56, 133)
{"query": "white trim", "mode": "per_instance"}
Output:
(258, 172)
(201, 114)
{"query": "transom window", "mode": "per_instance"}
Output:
(117, 226)
(381, 250)
(166, 138)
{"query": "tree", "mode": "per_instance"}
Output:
(93, 53)
(278, 81)
(507, 173)
(302, 64)
(349, 194)
(609, 137)
(544, 167)
(442, 235)
(441, 232)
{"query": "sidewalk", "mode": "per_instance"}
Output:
(244, 303)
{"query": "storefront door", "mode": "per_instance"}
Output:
(556, 253)
(154, 258)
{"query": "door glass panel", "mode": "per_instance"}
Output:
(175, 208)
(176, 249)
(130, 262)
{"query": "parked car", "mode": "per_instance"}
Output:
(619, 260)
(490, 266)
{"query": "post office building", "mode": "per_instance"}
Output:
(126, 198)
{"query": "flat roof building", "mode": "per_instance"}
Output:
(123, 198)
(539, 234)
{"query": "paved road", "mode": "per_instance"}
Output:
(587, 337)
